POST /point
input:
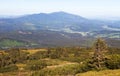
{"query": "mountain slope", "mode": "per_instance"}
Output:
(57, 29)
(56, 20)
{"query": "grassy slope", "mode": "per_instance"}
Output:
(101, 73)
(33, 51)
(11, 43)
(90, 73)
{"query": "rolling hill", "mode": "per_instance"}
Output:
(57, 29)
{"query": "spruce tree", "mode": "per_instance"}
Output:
(98, 60)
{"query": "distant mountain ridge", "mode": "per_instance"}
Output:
(56, 21)
(56, 29)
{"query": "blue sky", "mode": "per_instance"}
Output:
(86, 8)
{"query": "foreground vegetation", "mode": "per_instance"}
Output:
(101, 73)
(60, 61)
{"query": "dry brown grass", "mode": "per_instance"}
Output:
(2, 52)
(16, 74)
(101, 73)
(56, 62)
(21, 66)
(33, 51)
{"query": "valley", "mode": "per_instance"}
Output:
(56, 29)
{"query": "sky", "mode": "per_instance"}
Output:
(85, 8)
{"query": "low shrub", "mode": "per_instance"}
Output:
(9, 68)
(71, 69)
(36, 65)
(113, 62)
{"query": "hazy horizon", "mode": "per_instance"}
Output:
(86, 8)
